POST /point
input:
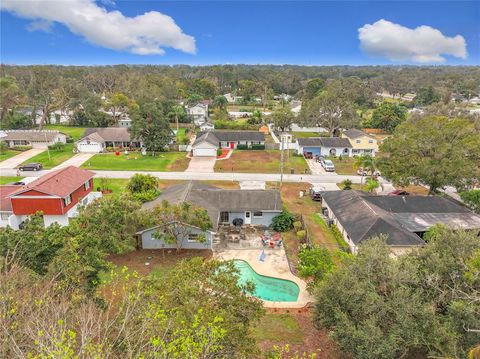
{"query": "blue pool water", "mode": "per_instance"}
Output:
(267, 288)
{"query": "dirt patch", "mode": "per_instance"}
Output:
(158, 259)
(223, 184)
(314, 340)
(180, 165)
(415, 190)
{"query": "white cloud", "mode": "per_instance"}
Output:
(144, 34)
(40, 25)
(399, 43)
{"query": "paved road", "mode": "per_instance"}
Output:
(14, 161)
(324, 178)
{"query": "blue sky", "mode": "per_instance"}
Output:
(311, 33)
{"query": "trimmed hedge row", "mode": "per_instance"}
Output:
(252, 147)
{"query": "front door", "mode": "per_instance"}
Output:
(248, 217)
(232, 145)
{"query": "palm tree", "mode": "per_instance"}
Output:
(177, 111)
(368, 164)
(371, 185)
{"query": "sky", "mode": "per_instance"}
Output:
(102, 32)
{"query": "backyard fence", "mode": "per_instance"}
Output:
(307, 239)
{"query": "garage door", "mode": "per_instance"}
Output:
(89, 147)
(204, 152)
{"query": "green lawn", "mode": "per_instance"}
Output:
(56, 157)
(346, 166)
(262, 161)
(4, 155)
(7, 179)
(116, 185)
(73, 131)
(165, 161)
(280, 328)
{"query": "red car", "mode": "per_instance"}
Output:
(399, 192)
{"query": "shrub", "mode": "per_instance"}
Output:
(219, 151)
(301, 235)
(315, 262)
(339, 238)
(3, 146)
(57, 146)
(242, 147)
(21, 148)
(347, 184)
(140, 183)
(297, 225)
(147, 196)
(69, 139)
(258, 147)
(472, 199)
(283, 222)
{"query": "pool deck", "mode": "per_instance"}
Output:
(275, 265)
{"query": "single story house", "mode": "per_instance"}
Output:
(324, 146)
(362, 143)
(57, 195)
(33, 138)
(207, 143)
(95, 140)
(224, 206)
(124, 121)
(403, 219)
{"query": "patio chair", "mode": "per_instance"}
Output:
(279, 243)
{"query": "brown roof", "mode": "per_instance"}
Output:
(31, 135)
(5, 192)
(109, 134)
(59, 183)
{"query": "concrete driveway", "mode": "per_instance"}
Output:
(14, 161)
(201, 164)
(315, 167)
(76, 160)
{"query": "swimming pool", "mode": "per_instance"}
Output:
(267, 288)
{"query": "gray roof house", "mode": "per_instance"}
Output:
(224, 206)
(207, 143)
(403, 219)
(324, 146)
(33, 138)
(96, 140)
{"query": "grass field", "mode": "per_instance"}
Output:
(281, 328)
(345, 167)
(73, 131)
(307, 134)
(8, 179)
(56, 157)
(5, 155)
(165, 161)
(267, 161)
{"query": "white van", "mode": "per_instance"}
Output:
(328, 166)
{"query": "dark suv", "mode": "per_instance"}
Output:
(31, 167)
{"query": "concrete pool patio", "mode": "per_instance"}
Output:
(276, 266)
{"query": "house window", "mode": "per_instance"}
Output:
(355, 151)
(192, 237)
(67, 200)
(87, 185)
(358, 141)
(224, 217)
(258, 214)
(20, 143)
(370, 141)
(5, 216)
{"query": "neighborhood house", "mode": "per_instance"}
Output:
(207, 143)
(33, 138)
(324, 146)
(403, 219)
(57, 195)
(362, 143)
(198, 113)
(224, 207)
(97, 140)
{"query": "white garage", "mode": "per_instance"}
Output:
(89, 146)
(205, 146)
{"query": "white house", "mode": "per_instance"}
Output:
(207, 126)
(198, 113)
(33, 138)
(324, 146)
(97, 140)
(125, 121)
(208, 142)
(232, 98)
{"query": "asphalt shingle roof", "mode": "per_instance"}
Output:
(31, 135)
(363, 215)
(354, 133)
(216, 200)
(109, 134)
(237, 135)
(324, 142)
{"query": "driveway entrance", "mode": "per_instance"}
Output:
(14, 161)
(201, 164)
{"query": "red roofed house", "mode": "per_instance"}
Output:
(57, 195)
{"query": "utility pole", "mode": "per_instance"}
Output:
(48, 149)
(281, 160)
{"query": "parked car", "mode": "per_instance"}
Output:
(308, 155)
(328, 165)
(315, 194)
(399, 192)
(18, 184)
(31, 167)
(319, 158)
(363, 172)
